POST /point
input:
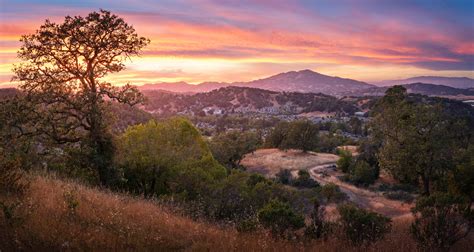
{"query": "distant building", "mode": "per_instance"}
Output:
(359, 114)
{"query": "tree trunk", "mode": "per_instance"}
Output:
(101, 145)
(426, 185)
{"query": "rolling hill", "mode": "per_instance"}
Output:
(455, 82)
(230, 100)
(420, 88)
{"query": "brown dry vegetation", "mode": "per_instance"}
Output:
(271, 161)
(46, 219)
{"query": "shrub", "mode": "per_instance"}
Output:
(304, 180)
(363, 174)
(247, 225)
(280, 218)
(12, 178)
(400, 196)
(361, 226)
(318, 227)
(440, 220)
(345, 161)
(284, 176)
(331, 192)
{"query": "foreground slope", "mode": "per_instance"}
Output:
(58, 215)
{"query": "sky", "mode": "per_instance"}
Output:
(205, 40)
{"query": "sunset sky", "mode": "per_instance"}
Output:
(199, 40)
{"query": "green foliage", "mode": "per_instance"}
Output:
(12, 177)
(278, 135)
(279, 217)
(332, 193)
(345, 161)
(304, 180)
(420, 138)
(318, 227)
(301, 134)
(441, 219)
(284, 176)
(361, 226)
(363, 174)
(166, 157)
(230, 147)
(400, 196)
(461, 180)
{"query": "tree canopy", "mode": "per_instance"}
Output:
(62, 83)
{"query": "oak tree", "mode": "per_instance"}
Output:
(62, 80)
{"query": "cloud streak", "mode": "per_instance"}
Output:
(427, 37)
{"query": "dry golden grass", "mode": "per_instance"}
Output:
(271, 161)
(58, 215)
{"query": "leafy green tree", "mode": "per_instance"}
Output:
(230, 147)
(163, 157)
(361, 226)
(441, 219)
(461, 181)
(280, 218)
(355, 125)
(278, 135)
(302, 135)
(419, 138)
(62, 81)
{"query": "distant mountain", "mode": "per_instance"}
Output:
(6, 93)
(421, 88)
(305, 81)
(232, 100)
(456, 82)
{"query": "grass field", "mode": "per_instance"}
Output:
(270, 161)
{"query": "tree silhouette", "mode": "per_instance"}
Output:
(61, 79)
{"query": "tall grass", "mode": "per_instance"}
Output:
(55, 214)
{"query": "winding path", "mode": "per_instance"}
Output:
(362, 197)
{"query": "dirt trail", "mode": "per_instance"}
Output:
(362, 197)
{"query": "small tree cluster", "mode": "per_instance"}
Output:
(302, 135)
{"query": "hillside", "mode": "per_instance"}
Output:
(455, 82)
(59, 215)
(420, 88)
(295, 81)
(232, 100)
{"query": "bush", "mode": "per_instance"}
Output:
(304, 180)
(363, 174)
(331, 192)
(361, 226)
(318, 227)
(12, 178)
(284, 176)
(400, 196)
(345, 161)
(280, 218)
(440, 220)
